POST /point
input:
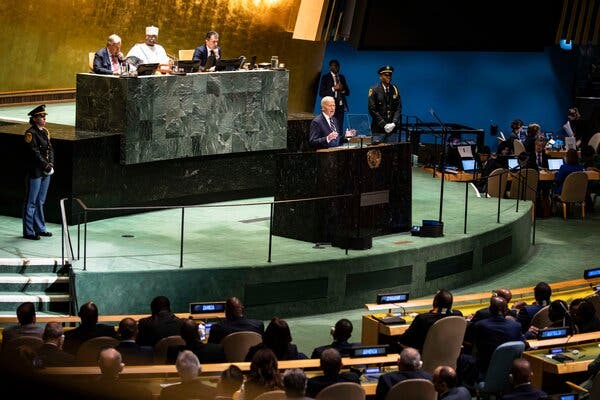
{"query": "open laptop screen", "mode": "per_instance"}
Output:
(554, 164)
(513, 163)
(468, 165)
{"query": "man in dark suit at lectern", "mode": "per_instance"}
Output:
(324, 129)
(334, 84)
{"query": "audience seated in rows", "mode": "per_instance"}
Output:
(51, 353)
(409, 367)
(294, 384)
(230, 382)
(160, 324)
(264, 375)
(191, 387)
(26, 327)
(341, 332)
(88, 328)
(206, 352)
(446, 384)
(520, 379)
(234, 321)
(131, 352)
(331, 364)
(416, 332)
(541, 293)
(278, 338)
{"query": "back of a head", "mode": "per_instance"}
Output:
(585, 311)
(442, 301)
(110, 362)
(277, 335)
(498, 305)
(446, 375)
(189, 331)
(160, 303)
(331, 362)
(128, 328)
(410, 359)
(533, 130)
(234, 308)
(542, 292)
(88, 313)
(188, 365)
(506, 294)
(53, 331)
(231, 380)
(342, 330)
(557, 310)
(572, 157)
(520, 371)
(516, 124)
(264, 365)
(26, 313)
(294, 383)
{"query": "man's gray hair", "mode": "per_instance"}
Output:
(112, 39)
(410, 358)
(294, 382)
(327, 99)
(188, 366)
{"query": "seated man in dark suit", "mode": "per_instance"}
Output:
(206, 353)
(107, 60)
(324, 128)
(485, 313)
(131, 352)
(446, 384)
(26, 326)
(520, 379)
(51, 353)
(491, 332)
(417, 331)
(88, 329)
(409, 367)
(234, 322)
(542, 293)
(190, 387)
(341, 332)
(331, 364)
(210, 48)
(160, 324)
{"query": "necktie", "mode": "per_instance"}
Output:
(539, 159)
(115, 65)
(332, 125)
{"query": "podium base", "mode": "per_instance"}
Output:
(353, 243)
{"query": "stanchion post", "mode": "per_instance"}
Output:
(270, 233)
(84, 240)
(466, 204)
(181, 238)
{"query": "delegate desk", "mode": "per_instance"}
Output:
(377, 177)
(544, 367)
(164, 117)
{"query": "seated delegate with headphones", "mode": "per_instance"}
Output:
(416, 332)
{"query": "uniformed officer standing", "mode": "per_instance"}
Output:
(40, 166)
(385, 104)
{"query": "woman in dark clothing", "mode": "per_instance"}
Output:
(278, 338)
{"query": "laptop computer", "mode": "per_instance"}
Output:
(146, 69)
(468, 165)
(513, 163)
(231, 64)
(188, 66)
(554, 164)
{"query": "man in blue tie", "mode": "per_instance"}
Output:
(324, 129)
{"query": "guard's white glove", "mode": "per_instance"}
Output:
(389, 127)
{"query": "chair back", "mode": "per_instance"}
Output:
(496, 379)
(574, 188)
(443, 342)
(91, 56)
(518, 147)
(186, 54)
(88, 351)
(271, 395)
(237, 344)
(162, 346)
(541, 319)
(595, 141)
(10, 349)
(412, 389)
(524, 185)
(595, 300)
(342, 391)
(496, 184)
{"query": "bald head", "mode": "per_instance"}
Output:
(331, 362)
(505, 294)
(234, 308)
(110, 362)
(410, 360)
(521, 371)
(498, 305)
(444, 378)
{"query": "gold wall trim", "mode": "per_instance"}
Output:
(37, 96)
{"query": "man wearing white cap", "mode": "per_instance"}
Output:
(150, 52)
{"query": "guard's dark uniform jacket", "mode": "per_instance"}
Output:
(41, 154)
(384, 109)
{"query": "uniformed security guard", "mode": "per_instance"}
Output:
(40, 167)
(385, 104)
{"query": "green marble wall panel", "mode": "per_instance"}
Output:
(169, 117)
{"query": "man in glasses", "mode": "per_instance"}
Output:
(385, 105)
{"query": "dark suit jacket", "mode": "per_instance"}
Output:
(342, 347)
(386, 381)
(194, 389)
(384, 108)
(134, 354)
(16, 331)
(456, 393)
(525, 392)
(219, 330)
(525, 315)
(341, 104)
(318, 383)
(491, 332)
(75, 337)
(206, 353)
(201, 53)
(319, 129)
(52, 356)
(416, 332)
(152, 329)
(102, 62)
(291, 353)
